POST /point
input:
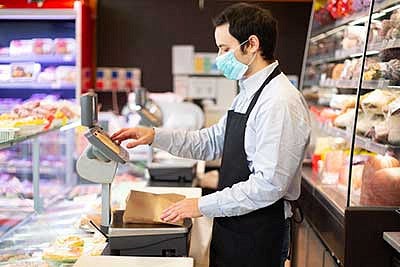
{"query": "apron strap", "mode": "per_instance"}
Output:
(253, 102)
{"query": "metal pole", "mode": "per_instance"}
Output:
(359, 87)
(105, 207)
(37, 201)
(303, 68)
(70, 178)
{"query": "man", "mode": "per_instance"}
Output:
(261, 140)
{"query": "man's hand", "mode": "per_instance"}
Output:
(141, 136)
(187, 208)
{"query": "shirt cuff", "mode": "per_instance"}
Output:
(208, 205)
(161, 139)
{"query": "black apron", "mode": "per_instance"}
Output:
(253, 239)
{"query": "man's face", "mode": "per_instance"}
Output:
(226, 42)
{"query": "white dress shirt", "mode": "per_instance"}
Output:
(277, 134)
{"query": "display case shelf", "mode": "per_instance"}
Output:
(359, 17)
(20, 139)
(343, 54)
(351, 84)
(43, 59)
(26, 93)
(363, 142)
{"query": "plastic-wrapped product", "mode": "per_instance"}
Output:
(65, 46)
(4, 73)
(21, 47)
(376, 101)
(394, 122)
(343, 102)
(344, 120)
(42, 46)
(381, 187)
(65, 75)
(47, 76)
(24, 71)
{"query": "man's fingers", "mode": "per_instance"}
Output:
(171, 217)
(118, 132)
(136, 143)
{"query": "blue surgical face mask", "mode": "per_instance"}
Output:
(232, 68)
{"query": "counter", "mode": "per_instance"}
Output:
(393, 238)
(115, 261)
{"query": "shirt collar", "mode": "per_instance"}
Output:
(251, 84)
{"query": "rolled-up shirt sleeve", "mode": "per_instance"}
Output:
(204, 144)
(281, 140)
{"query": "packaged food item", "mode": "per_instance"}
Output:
(5, 73)
(4, 51)
(343, 102)
(65, 75)
(353, 37)
(21, 47)
(376, 101)
(382, 188)
(65, 46)
(337, 71)
(344, 120)
(24, 71)
(48, 75)
(42, 46)
(394, 122)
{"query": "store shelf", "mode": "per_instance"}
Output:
(43, 59)
(26, 90)
(362, 142)
(351, 84)
(38, 14)
(17, 140)
(343, 54)
(340, 55)
(354, 18)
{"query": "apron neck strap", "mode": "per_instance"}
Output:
(253, 102)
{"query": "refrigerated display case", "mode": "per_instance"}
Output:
(45, 49)
(351, 80)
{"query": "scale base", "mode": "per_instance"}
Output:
(158, 240)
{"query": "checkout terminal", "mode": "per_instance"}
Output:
(98, 164)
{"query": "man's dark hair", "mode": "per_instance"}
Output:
(245, 20)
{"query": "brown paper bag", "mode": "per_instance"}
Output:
(143, 207)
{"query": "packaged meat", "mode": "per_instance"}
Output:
(65, 75)
(333, 164)
(65, 46)
(42, 46)
(4, 51)
(356, 175)
(24, 71)
(337, 71)
(21, 47)
(394, 123)
(344, 120)
(47, 76)
(371, 167)
(5, 73)
(376, 101)
(343, 102)
(382, 188)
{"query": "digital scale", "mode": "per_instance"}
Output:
(98, 163)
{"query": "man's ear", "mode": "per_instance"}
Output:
(254, 44)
